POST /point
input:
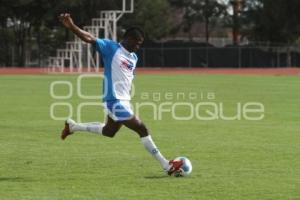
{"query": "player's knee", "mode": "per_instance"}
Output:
(108, 135)
(109, 132)
(143, 130)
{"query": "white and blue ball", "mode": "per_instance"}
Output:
(185, 169)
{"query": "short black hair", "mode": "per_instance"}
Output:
(134, 32)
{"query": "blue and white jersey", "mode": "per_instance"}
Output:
(119, 65)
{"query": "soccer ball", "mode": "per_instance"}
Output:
(186, 167)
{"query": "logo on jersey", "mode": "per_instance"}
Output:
(127, 64)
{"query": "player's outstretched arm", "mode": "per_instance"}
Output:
(67, 21)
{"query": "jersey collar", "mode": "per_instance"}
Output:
(125, 50)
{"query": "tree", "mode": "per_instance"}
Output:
(153, 16)
(274, 21)
(207, 11)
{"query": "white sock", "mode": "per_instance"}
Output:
(93, 127)
(151, 147)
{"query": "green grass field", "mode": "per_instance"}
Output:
(238, 160)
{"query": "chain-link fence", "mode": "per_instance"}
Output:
(189, 55)
(236, 57)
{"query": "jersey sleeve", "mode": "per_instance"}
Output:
(103, 46)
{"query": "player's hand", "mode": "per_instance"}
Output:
(66, 20)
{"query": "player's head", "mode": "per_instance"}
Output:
(133, 38)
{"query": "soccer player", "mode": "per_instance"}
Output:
(119, 61)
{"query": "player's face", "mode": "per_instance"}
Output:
(134, 44)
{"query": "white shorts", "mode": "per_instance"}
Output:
(119, 110)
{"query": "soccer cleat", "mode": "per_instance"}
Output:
(67, 130)
(174, 166)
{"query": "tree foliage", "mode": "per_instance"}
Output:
(153, 16)
(274, 21)
(207, 11)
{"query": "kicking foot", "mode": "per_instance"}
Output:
(174, 166)
(67, 130)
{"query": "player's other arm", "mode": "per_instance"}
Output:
(67, 21)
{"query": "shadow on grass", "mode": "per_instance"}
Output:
(156, 177)
(13, 179)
